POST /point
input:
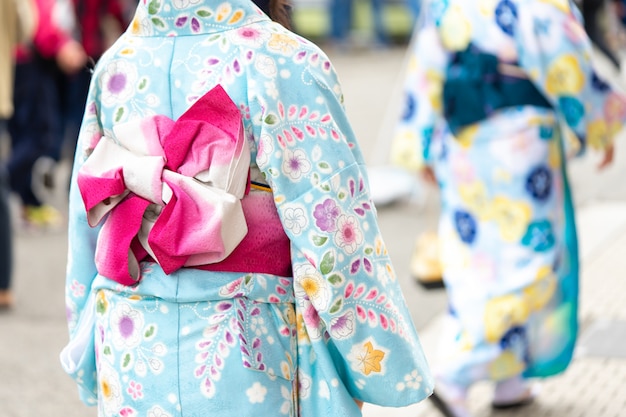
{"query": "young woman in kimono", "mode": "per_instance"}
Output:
(488, 86)
(224, 254)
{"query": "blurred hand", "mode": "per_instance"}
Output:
(428, 175)
(607, 158)
(71, 57)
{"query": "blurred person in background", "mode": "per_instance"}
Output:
(488, 87)
(36, 124)
(18, 19)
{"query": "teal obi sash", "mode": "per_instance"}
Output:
(475, 87)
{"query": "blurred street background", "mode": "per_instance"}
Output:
(32, 383)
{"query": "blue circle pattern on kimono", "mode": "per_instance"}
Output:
(539, 183)
(573, 110)
(539, 236)
(516, 340)
(506, 16)
(466, 226)
(599, 84)
(410, 107)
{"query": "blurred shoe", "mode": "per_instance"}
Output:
(451, 401)
(425, 264)
(42, 217)
(6, 300)
(43, 182)
(513, 393)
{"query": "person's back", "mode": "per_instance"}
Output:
(240, 240)
(489, 86)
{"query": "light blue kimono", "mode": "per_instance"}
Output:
(508, 239)
(199, 343)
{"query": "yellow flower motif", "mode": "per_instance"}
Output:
(502, 175)
(434, 85)
(303, 335)
(102, 304)
(236, 17)
(487, 8)
(502, 313)
(282, 43)
(474, 195)
(563, 5)
(135, 26)
(565, 76)
(223, 11)
(454, 253)
(371, 359)
(540, 292)
(505, 366)
(554, 154)
(455, 29)
(467, 135)
(597, 137)
(404, 150)
(511, 216)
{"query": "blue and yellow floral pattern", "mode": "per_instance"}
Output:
(508, 243)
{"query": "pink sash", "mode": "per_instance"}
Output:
(171, 191)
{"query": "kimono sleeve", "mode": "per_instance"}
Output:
(356, 337)
(556, 52)
(422, 91)
(78, 357)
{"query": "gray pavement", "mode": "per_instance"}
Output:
(32, 383)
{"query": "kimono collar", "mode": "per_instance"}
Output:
(192, 17)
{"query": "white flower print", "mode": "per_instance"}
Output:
(310, 283)
(118, 81)
(256, 393)
(324, 392)
(271, 90)
(110, 389)
(183, 4)
(266, 148)
(295, 220)
(411, 381)
(157, 411)
(265, 65)
(296, 163)
(348, 236)
(304, 385)
(249, 35)
(126, 325)
(286, 406)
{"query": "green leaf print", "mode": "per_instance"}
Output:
(204, 13)
(319, 240)
(143, 84)
(119, 113)
(107, 350)
(328, 263)
(336, 306)
(369, 250)
(154, 6)
(158, 22)
(341, 195)
(126, 360)
(149, 332)
(271, 119)
(335, 279)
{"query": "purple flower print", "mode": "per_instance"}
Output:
(326, 215)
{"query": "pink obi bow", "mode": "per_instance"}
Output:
(171, 189)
